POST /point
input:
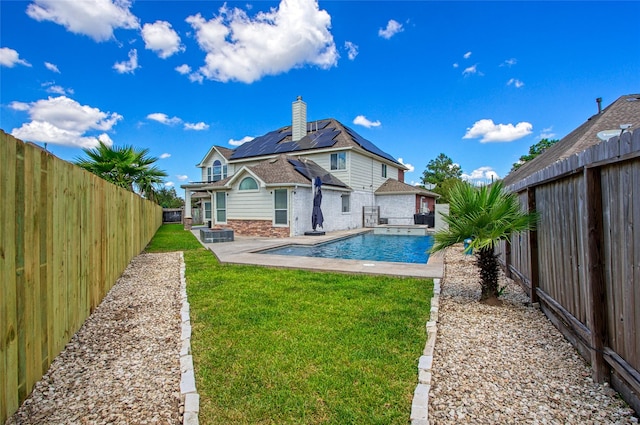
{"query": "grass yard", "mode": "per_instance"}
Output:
(277, 346)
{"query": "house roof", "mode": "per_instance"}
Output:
(625, 110)
(288, 170)
(394, 187)
(327, 133)
(225, 152)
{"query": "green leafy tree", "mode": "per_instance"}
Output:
(534, 151)
(440, 175)
(124, 166)
(486, 215)
(440, 169)
(167, 197)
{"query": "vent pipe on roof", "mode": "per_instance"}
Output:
(599, 102)
(299, 119)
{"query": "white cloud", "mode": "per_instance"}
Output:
(455, 65)
(169, 184)
(94, 18)
(182, 177)
(410, 167)
(52, 87)
(471, 70)
(51, 67)
(509, 62)
(245, 139)
(363, 121)
(164, 119)
(352, 50)
(161, 38)
(19, 106)
(10, 57)
(481, 175)
(393, 27)
(165, 155)
(64, 121)
(490, 132)
(104, 138)
(196, 77)
(547, 133)
(128, 67)
(183, 69)
(515, 82)
(199, 126)
(467, 55)
(243, 48)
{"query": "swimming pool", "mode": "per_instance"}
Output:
(366, 246)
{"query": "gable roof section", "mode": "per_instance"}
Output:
(325, 133)
(224, 152)
(625, 110)
(395, 187)
(291, 171)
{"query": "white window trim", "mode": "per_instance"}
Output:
(346, 161)
(216, 209)
(274, 209)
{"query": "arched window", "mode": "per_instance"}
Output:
(248, 183)
(217, 170)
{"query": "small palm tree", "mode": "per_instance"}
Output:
(123, 166)
(486, 215)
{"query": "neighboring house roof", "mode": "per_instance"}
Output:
(327, 133)
(625, 110)
(395, 187)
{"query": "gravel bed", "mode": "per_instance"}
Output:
(508, 364)
(122, 366)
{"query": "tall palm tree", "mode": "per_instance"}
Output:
(123, 166)
(486, 215)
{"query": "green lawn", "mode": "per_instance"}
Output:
(274, 346)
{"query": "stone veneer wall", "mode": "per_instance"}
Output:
(262, 228)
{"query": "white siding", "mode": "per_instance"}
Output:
(398, 209)
(366, 172)
(250, 205)
(324, 160)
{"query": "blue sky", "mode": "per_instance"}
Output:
(479, 81)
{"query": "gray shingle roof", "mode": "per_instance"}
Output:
(281, 170)
(625, 110)
(392, 186)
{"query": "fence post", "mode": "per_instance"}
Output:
(596, 290)
(533, 248)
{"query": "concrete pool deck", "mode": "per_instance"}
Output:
(244, 250)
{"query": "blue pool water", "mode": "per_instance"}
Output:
(366, 246)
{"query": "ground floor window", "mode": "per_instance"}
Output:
(346, 203)
(207, 210)
(221, 207)
(280, 207)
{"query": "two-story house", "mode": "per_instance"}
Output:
(265, 187)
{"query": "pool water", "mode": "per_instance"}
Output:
(366, 246)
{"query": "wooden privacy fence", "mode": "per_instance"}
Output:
(582, 263)
(65, 237)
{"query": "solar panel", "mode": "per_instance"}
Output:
(311, 170)
(367, 145)
(262, 145)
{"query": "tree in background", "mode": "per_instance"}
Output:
(444, 174)
(486, 215)
(124, 166)
(534, 151)
(167, 197)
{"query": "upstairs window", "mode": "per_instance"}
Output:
(339, 161)
(209, 177)
(248, 183)
(384, 170)
(217, 171)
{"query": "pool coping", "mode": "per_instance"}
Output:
(245, 250)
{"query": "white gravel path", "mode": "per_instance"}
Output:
(508, 364)
(122, 366)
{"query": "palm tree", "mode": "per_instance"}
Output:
(123, 166)
(486, 215)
